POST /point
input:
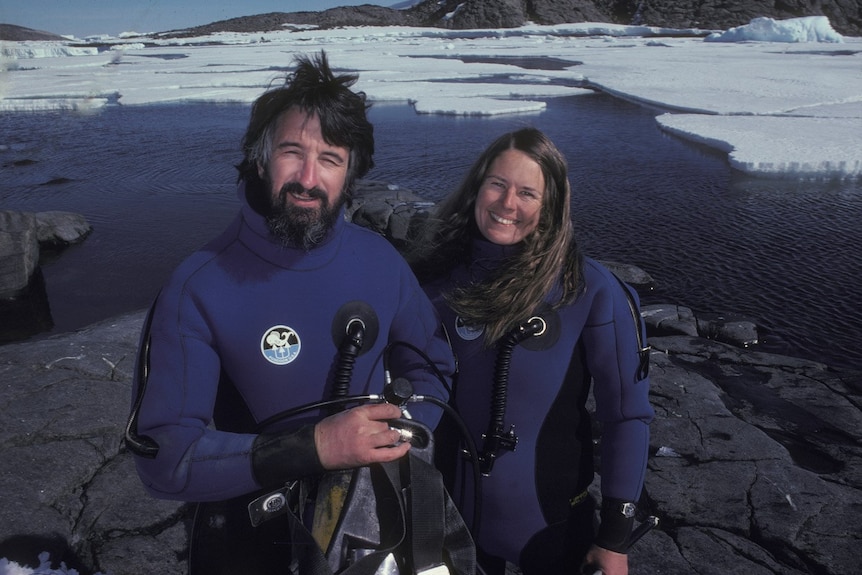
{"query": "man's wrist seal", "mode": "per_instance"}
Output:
(617, 520)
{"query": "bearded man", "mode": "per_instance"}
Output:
(250, 326)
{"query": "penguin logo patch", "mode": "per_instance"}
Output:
(467, 332)
(280, 345)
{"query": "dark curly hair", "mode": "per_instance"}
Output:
(316, 90)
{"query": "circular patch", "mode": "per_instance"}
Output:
(280, 345)
(549, 335)
(467, 332)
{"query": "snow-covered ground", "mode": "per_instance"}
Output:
(44, 566)
(782, 98)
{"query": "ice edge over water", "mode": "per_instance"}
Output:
(781, 98)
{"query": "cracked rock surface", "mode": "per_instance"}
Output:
(755, 467)
(756, 464)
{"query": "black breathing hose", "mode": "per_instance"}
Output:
(350, 347)
(496, 438)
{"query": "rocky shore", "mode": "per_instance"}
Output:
(756, 459)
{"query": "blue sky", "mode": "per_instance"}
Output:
(88, 17)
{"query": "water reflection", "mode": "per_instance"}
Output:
(525, 62)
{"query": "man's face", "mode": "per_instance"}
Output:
(306, 178)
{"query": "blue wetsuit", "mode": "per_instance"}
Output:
(530, 490)
(258, 317)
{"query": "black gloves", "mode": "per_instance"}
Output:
(280, 457)
(618, 518)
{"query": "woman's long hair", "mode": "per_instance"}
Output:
(548, 265)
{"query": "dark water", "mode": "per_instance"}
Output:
(157, 182)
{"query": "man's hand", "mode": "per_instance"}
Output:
(609, 562)
(358, 437)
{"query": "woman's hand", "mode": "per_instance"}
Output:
(358, 437)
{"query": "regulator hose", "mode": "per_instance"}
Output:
(496, 438)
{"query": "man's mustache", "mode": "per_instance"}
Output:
(297, 189)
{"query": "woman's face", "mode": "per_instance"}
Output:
(510, 198)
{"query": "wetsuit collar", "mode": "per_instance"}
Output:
(487, 256)
(255, 233)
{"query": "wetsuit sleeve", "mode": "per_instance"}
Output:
(621, 393)
(418, 324)
(196, 462)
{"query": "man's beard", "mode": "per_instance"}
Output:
(298, 227)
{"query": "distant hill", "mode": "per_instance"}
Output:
(12, 33)
(845, 16)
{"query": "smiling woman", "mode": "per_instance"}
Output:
(510, 198)
(500, 257)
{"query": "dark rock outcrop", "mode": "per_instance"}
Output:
(364, 15)
(393, 212)
(21, 236)
(13, 33)
(19, 251)
(24, 239)
(470, 15)
(844, 15)
(665, 319)
(565, 11)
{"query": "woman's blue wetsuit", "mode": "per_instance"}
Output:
(529, 494)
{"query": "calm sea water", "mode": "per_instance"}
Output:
(157, 182)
